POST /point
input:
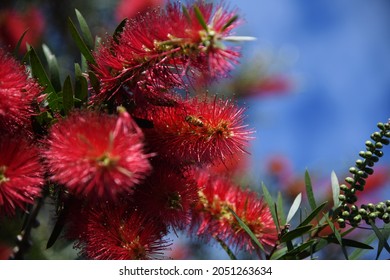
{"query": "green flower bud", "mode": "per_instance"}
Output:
(373, 215)
(381, 126)
(385, 141)
(378, 153)
(388, 209)
(354, 208)
(386, 218)
(342, 197)
(341, 222)
(370, 171)
(378, 145)
(343, 187)
(353, 170)
(376, 136)
(359, 187)
(359, 162)
(371, 207)
(362, 212)
(387, 134)
(387, 202)
(345, 214)
(357, 218)
(349, 180)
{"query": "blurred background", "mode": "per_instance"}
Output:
(315, 82)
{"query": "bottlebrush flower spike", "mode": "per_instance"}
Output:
(21, 174)
(97, 155)
(17, 92)
(168, 196)
(199, 130)
(120, 233)
(166, 48)
(212, 217)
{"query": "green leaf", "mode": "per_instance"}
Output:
(313, 214)
(81, 85)
(294, 207)
(39, 73)
(297, 232)
(186, 13)
(85, 31)
(293, 254)
(67, 92)
(309, 191)
(358, 252)
(335, 189)
(349, 243)
(229, 22)
(54, 71)
(337, 236)
(18, 44)
(382, 239)
(278, 253)
(226, 248)
(94, 81)
(80, 42)
(280, 208)
(118, 30)
(200, 18)
(247, 230)
(271, 205)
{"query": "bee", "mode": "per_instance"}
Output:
(196, 121)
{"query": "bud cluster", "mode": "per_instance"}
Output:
(348, 211)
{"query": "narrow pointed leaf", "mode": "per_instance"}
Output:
(118, 30)
(80, 42)
(280, 208)
(18, 44)
(335, 189)
(68, 98)
(39, 73)
(309, 191)
(337, 236)
(313, 214)
(200, 18)
(382, 240)
(54, 71)
(81, 85)
(247, 230)
(349, 243)
(299, 249)
(271, 205)
(294, 207)
(226, 248)
(230, 22)
(358, 252)
(85, 31)
(297, 232)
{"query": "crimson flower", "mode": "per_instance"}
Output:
(120, 233)
(97, 155)
(198, 131)
(212, 216)
(17, 92)
(130, 8)
(168, 196)
(14, 23)
(163, 48)
(21, 174)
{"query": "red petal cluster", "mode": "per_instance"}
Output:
(212, 216)
(21, 174)
(96, 155)
(200, 130)
(166, 48)
(119, 233)
(17, 92)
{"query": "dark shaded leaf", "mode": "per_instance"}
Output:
(358, 252)
(39, 73)
(67, 92)
(18, 44)
(230, 22)
(80, 42)
(118, 30)
(337, 236)
(297, 232)
(349, 243)
(382, 239)
(271, 205)
(85, 31)
(81, 85)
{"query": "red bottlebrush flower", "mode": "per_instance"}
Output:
(167, 196)
(97, 155)
(198, 131)
(166, 48)
(131, 8)
(21, 174)
(212, 217)
(17, 92)
(5, 251)
(14, 23)
(119, 233)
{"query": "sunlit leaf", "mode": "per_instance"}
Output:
(54, 70)
(335, 189)
(200, 18)
(313, 214)
(294, 207)
(280, 208)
